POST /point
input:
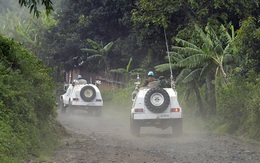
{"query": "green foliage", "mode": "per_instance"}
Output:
(26, 103)
(129, 64)
(202, 62)
(238, 107)
(154, 12)
(33, 6)
(215, 48)
(103, 21)
(248, 43)
(19, 25)
(119, 99)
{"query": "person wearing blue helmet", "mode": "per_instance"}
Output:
(149, 79)
(81, 80)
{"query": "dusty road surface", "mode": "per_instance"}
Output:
(107, 139)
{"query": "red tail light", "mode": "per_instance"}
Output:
(175, 109)
(139, 110)
(75, 99)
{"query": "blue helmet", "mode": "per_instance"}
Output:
(150, 73)
(79, 76)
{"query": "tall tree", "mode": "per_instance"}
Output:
(207, 61)
(213, 54)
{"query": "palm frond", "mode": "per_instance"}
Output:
(192, 76)
(217, 44)
(228, 49)
(185, 72)
(186, 50)
(164, 67)
(92, 51)
(129, 64)
(193, 61)
(176, 57)
(208, 42)
(228, 58)
(94, 44)
(94, 56)
(225, 34)
(218, 48)
(205, 49)
(186, 43)
(207, 69)
(108, 46)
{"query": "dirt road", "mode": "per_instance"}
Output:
(107, 139)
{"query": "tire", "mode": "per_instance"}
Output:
(157, 100)
(135, 128)
(87, 93)
(177, 127)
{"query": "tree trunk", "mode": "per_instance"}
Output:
(199, 100)
(210, 95)
(223, 73)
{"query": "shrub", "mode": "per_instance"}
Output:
(238, 107)
(26, 103)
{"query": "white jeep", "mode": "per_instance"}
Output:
(82, 96)
(155, 106)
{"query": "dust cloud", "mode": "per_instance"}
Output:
(114, 123)
(112, 132)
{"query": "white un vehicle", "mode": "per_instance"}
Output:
(156, 106)
(82, 96)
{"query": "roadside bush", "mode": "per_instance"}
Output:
(119, 98)
(238, 107)
(27, 103)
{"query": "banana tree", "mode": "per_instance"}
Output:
(211, 58)
(99, 52)
(214, 53)
(203, 63)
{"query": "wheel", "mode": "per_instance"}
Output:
(157, 100)
(98, 111)
(88, 93)
(177, 127)
(134, 128)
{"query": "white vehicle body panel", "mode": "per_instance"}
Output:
(72, 96)
(155, 106)
(147, 114)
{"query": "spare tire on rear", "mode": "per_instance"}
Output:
(157, 100)
(88, 93)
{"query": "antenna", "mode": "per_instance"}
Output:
(69, 76)
(166, 42)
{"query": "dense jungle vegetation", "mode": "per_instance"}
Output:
(214, 52)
